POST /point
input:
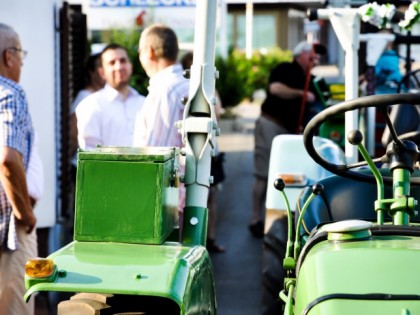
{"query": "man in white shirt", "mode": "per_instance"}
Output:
(107, 116)
(155, 123)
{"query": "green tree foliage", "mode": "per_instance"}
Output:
(240, 77)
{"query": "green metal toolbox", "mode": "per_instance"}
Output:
(127, 195)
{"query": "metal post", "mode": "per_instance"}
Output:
(249, 28)
(376, 44)
(223, 42)
(401, 184)
(199, 122)
(346, 24)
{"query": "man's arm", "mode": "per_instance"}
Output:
(283, 91)
(88, 124)
(13, 180)
(73, 134)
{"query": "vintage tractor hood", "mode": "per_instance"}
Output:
(166, 271)
(379, 275)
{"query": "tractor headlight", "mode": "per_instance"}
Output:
(39, 268)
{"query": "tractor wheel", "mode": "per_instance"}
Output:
(273, 274)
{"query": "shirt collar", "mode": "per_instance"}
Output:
(163, 74)
(112, 94)
(9, 81)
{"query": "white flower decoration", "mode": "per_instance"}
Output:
(381, 15)
(378, 15)
(411, 16)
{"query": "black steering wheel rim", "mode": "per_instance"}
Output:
(410, 78)
(378, 101)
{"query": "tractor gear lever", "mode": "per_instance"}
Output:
(288, 262)
(355, 137)
(391, 127)
(317, 189)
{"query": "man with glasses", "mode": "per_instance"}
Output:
(17, 219)
(23, 53)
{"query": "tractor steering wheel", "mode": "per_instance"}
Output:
(410, 81)
(380, 102)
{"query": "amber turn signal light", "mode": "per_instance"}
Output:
(293, 178)
(39, 268)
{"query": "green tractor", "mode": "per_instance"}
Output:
(129, 255)
(357, 243)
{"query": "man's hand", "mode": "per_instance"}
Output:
(13, 180)
(29, 221)
(282, 90)
(310, 97)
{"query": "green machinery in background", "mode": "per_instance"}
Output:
(330, 94)
(357, 242)
(129, 254)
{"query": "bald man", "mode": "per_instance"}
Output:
(17, 220)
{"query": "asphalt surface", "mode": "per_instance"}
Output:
(238, 270)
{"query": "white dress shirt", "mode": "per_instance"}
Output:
(35, 172)
(155, 123)
(106, 118)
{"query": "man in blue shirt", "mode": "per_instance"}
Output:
(387, 72)
(17, 220)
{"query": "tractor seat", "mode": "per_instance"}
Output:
(345, 199)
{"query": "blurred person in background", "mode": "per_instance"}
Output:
(155, 123)
(107, 116)
(290, 97)
(94, 82)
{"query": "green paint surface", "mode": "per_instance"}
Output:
(385, 265)
(125, 195)
(180, 273)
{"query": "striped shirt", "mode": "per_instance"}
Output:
(155, 123)
(16, 132)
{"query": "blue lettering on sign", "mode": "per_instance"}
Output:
(142, 3)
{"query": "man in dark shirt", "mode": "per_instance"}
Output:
(290, 95)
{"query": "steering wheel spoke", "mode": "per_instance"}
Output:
(379, 101)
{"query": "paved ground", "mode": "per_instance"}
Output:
(238, 270)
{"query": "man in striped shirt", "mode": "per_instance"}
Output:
(17, 220)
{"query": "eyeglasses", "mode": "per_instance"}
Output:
(23, 53)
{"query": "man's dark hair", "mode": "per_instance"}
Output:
(113, 46)
(91, 62)
(187, 60)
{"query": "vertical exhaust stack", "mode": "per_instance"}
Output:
(199, 126)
